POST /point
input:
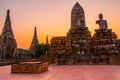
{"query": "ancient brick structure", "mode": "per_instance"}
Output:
(34, 43)
(104, 43)
(78, 47)
(79, 34)
(59, 46)
(29, 67)
(8, 43)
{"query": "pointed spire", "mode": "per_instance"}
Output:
(8, 37)
(8, 12)
(47, 42)
(8, 16)
(7, 24)
(35, 35)
(77, 16)
(34, 42)
(77, 3)
(35, 39)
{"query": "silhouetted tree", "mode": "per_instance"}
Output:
(40, 49)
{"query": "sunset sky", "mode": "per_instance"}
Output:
(52, 17)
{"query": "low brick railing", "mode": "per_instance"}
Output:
(29, 67)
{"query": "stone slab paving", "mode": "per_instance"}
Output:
(67, 72)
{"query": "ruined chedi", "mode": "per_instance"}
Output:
(8, 43)
(34, 43)
(79, 34)
(76, 45)
(79, 47)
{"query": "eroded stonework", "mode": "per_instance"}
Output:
(29, 67)
(79, 47)
(34, 43)
(76, 45)
(105, 43)
(8, 43)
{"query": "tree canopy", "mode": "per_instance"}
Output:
(41, 49)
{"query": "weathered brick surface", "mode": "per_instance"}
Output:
(29, 68)
(79, 47)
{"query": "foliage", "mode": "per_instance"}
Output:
(40, 49)
(20, 50)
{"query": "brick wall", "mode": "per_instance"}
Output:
(29, 68)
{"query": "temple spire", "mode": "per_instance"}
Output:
(8, 38)
(34, 43)
(8, 16)
(77, 17)
(35, 36)
(7, 24)
(8, 13)
(47, 42)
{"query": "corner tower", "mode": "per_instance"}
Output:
(34, 43)
(77, 16)
(9, 44)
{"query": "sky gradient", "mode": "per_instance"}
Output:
(53, 17)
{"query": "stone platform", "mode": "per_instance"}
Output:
(29, 67)
(67, 72)
(4, 63)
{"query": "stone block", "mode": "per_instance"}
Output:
(29, 67)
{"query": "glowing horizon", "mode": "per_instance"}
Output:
(53, 17)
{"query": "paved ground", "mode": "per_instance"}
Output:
(68, 72)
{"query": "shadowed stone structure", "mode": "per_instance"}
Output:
(102, 23)
(8, 43)
(34, 43)
(77, 16)
(79, 47)
(29, 67)
(105, 43)
(74, 47)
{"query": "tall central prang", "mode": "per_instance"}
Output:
(77, 17)
(74, 47)
(79, 34)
